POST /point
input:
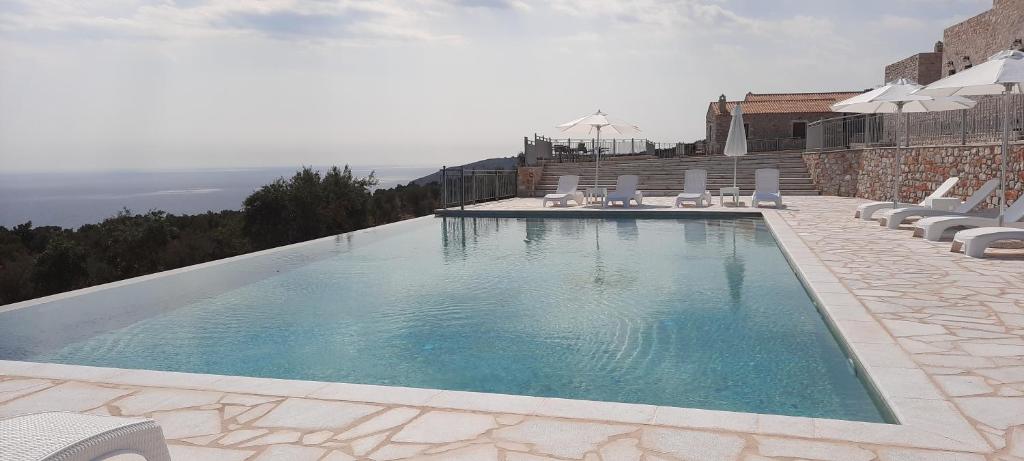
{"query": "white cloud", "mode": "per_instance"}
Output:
(345, 21)
(136, 83)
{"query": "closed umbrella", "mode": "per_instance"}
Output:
(1003, 74)
(898, 97)
(736, 142)
(591, 126)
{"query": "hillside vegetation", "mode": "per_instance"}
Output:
(39, 261)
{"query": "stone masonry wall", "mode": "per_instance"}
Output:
(983, 35)
(923, 68)
(867, 173)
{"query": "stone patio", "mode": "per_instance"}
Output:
(939, 335)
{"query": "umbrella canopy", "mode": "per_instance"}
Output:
(898, 97)
(592, 126)
(736, 141)
(1003, 74)
(598, 122)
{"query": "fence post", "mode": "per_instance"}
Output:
(515, 183)
(472, 177)
(963, 127)
(444, 187)
(462, 188)
(495, 185)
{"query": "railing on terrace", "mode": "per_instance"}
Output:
(461, 187)
(982, 123)
(572, 150)
(765, 145)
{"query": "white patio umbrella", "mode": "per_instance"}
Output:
(736, 141)
(898, 97)
(591, 126)
(1003, 74)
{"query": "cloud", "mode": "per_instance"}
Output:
(344, 22)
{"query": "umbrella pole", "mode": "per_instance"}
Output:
(1006, 148)
(597, 156)
(735, 160)
(899, 151)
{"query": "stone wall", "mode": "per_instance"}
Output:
(760, 126)
(983, 35)
(867, 173)
(528, 178)
(923, 68)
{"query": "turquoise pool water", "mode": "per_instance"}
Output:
(699, 313)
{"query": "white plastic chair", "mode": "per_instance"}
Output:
(695, 189)
(625, 190)
(62, 436)
(566, 191)
(766, 187)
(974, 242)
(932, 228)
(866, 211)
(893, 218)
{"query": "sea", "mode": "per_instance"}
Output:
(70, 200)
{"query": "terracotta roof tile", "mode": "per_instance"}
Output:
(786, 103)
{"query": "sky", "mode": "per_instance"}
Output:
(172, 84)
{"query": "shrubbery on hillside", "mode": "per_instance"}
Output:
(39, 261)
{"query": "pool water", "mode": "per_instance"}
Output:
(702, 313)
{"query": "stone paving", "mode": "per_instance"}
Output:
(940, 335)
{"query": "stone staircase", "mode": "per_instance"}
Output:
(661, 177)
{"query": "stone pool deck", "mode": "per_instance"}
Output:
(939, 335)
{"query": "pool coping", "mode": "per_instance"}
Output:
(927, 419)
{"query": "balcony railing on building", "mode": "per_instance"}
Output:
(765, 145)
(570, 150)
(980, 124)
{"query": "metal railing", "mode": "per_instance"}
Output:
(461, 187)
(573, 150)
(764, 145)
(979, 124)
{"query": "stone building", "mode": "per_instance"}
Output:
(773, 121)
(965, 44)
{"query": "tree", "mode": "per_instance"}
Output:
(60, 267)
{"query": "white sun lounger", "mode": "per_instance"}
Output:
(893, 218)
(695, 187)
(766, 187)
(866, 211)
(974, 242)
(625, 190)
(566, 191)
(932, 228)
(65, 436)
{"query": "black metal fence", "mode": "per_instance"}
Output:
(461, 187)
(979, 124)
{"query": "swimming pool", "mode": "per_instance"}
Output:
(696, 312)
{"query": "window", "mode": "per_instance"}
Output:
(746, 130)
(799, 129)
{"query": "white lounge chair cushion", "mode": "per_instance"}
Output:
(975, 241)
(893, 218)
(563, 198)
(766, 187)
(61, 436)
(625, 190)
(934, 227)
(566, 191)
(866, 211)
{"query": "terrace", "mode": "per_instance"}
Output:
(937, 335)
